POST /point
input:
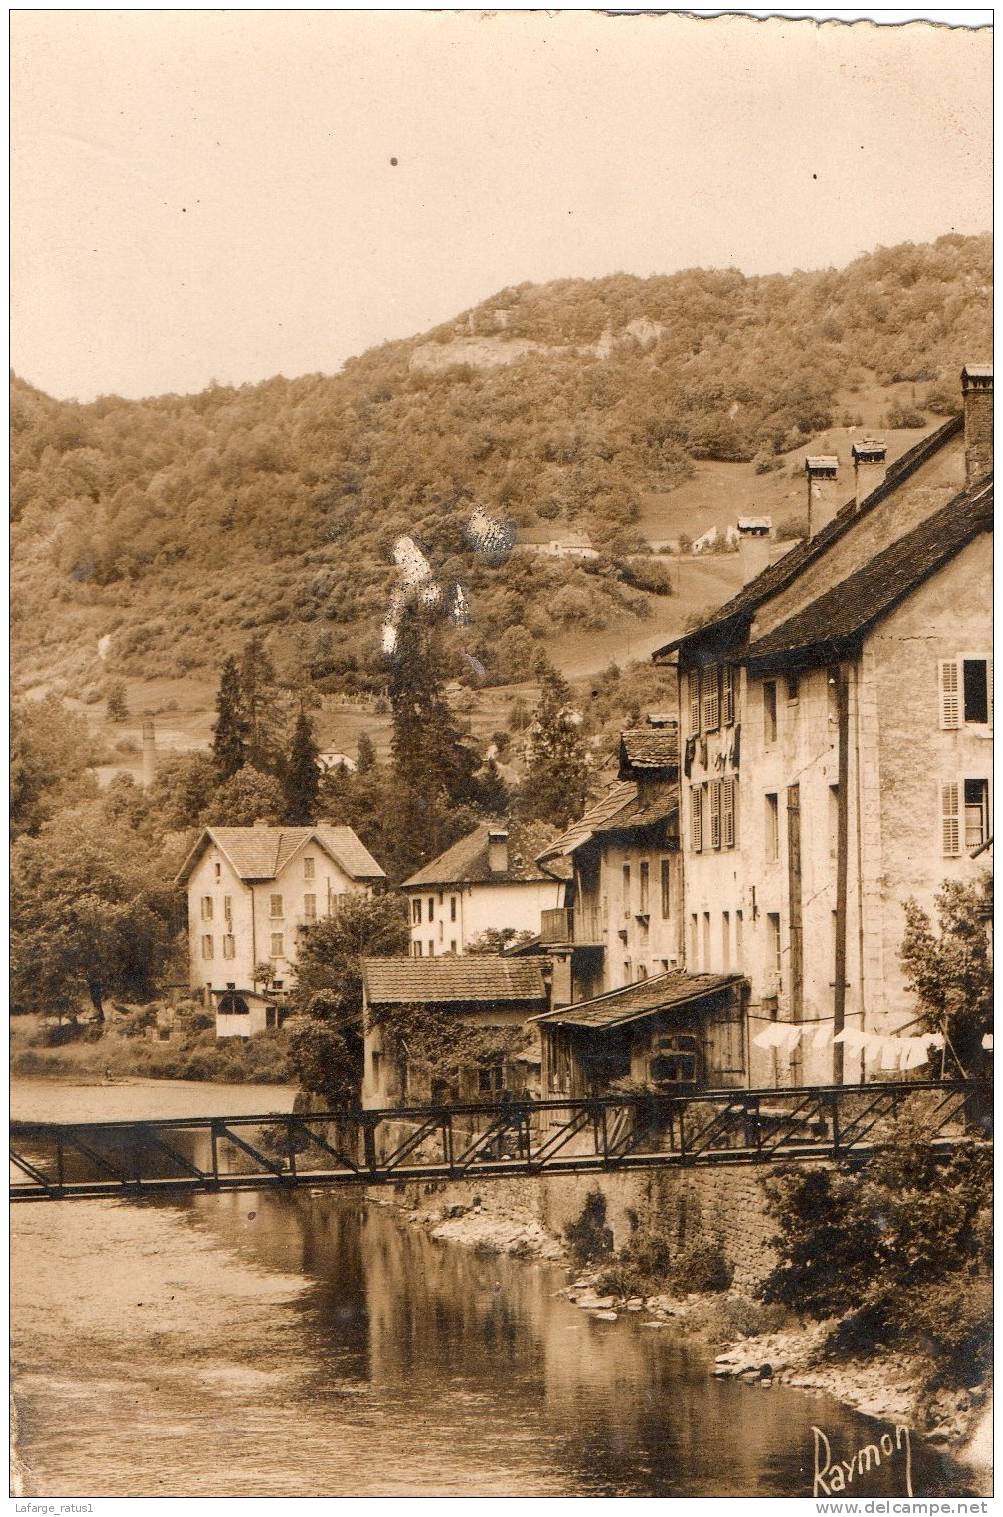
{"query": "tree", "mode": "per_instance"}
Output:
(366, 754)
(229, 741)
(950, 971)
(117, 706)
(557, 772)
(301, 775)
(429, 755)
(184, 790)
(50, 748)
(248, 797)
(84, 918)
(259, 705)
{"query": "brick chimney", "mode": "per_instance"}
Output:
(149, 751)
(977, 390)
(868, 467)
(753, 555)
(823, 499)
(498, 851)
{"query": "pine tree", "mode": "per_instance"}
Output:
(118, 706)
(556, 762)
(259, 705)
(430, 758)
(229, 734)
(366, 754)
(300, 775)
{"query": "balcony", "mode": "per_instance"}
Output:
(579, 926)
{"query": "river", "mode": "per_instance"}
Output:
(266, 1345)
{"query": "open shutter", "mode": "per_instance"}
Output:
(950, 693)
(711, 701)
(950, 819)
(728, 813)
(727, 695)
(696, 816)
(694, 702)
(715, 813)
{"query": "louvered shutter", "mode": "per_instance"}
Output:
(728, 813)
(695, 702)
(696, 816)
(950, 693)
(950, 819)
(711, 702)
(989, 687)
(727, 695)
(715, 813)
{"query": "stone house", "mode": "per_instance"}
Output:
(484, 882)
(250, 892)
(837, 715)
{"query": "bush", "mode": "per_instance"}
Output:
(701, 1266)
(588, 1237)
(136, 1024)
(901, 416)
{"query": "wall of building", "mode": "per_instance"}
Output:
(636, 945)
(385, 1082)
(479, 908)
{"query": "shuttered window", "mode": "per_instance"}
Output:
(278, 946)
(727, 695)
(666, 875)
(715, 813)
(950, 693)
(694, 679)
(696, 816)
(229, 946)
(711, 701)
(950, 819)
(728, 813)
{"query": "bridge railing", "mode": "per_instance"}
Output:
(389, 1146)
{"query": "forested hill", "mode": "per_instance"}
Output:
(169, 528)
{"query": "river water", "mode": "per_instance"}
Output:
(254, 1344)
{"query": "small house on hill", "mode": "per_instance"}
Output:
(250, 892)
(485, 882)
(408, 1006)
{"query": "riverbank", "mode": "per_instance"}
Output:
(194, 1054)
(760, 1345)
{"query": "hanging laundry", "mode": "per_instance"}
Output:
(770, 1036)
(915, 1052)
(822, 1036)
(937, 1040)
(987, 1042)
(891, 1052)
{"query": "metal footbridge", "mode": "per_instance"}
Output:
(613, 1133)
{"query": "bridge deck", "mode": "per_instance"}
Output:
(58, 1161)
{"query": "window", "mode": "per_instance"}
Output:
(711, 699)
(310, 907)
(207, 946)
(229, 946)
(714, 796)
(694, 680)
(642, 971)
(793, 688)
(706, 940)
(643, 888)
(416, 949)
(773, 941)
(725, 940)
(431, 907)
(452, 908)
(727, 695)
(772, 829)
(728, 812)
(975, 680)
(738, 939)
(666, 874)
(626, 890)
(491, 1080)
(216, 870)
(375, 1060)
(416, 911)
(976, 813)
(627, 976)
(228, 908)
(452, 945)
(694, 941)
(275, 906)
(431, 948)
(770, 711)
(278, 946)
(207, 908)
(309, 868)
(696, 816)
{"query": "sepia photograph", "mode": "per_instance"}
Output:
(501, 756)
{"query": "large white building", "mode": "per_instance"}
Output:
(250, 891)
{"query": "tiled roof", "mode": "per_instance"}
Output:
(470, 978)
(467, 862)
(824, 628)
(260, 853)
(618, 795)
(635, 813)
(650, 748)
(777, 576)
(662, 992)
(977, 371)
(822, 461)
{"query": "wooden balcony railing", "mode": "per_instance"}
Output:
(565, 924)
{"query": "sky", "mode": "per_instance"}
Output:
(226, 196)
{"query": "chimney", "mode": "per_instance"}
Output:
(262, 821)
(977, 389)
(149, 752)
(753, 555)
(823, 501)
(868, 467)
(498, 851)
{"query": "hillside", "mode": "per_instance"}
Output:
(151, 537)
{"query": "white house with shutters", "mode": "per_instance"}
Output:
(837, 748)
(251, 891)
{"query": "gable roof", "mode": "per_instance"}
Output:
(261, 853)
(777, 576)
(471, 978)
(467, 863)
(662, 992)
(649, 748)
(824, 628)
(617, 796)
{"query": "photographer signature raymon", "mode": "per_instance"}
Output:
(832, 1477)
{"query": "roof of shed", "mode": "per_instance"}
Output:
(824, 627)
(642, 999)
(469, 978)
